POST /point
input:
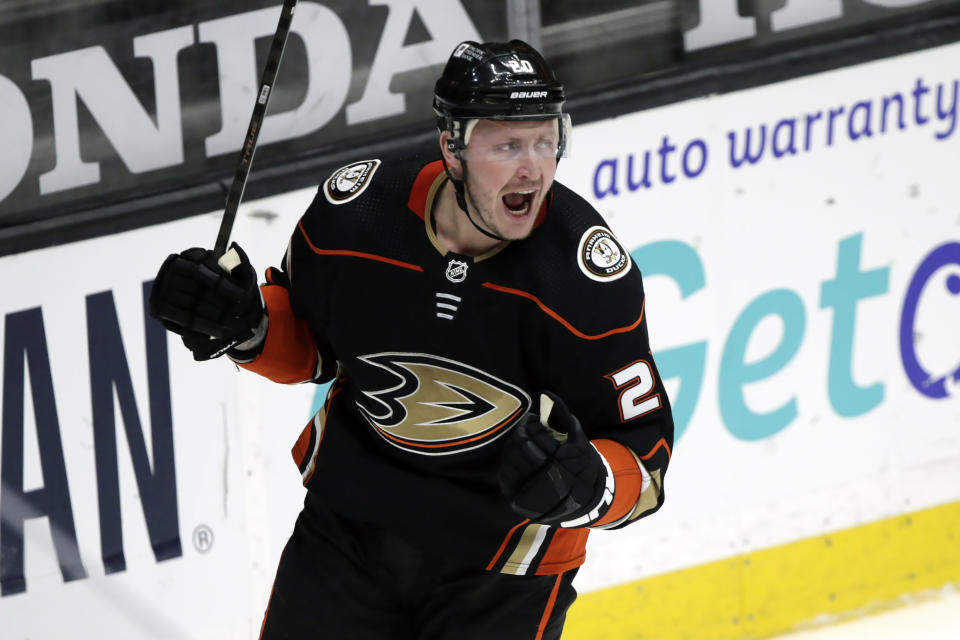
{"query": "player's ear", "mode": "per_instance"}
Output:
(446, 148)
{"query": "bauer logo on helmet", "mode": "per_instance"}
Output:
(528, 95)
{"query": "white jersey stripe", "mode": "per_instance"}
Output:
(318, 421)
(534, 548)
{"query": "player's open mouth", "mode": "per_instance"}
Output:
(518, 203)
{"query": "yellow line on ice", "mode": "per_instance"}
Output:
(771, 591)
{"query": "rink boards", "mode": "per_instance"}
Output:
(806, 300)
(803, 305)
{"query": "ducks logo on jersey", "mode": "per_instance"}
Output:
(438, 406)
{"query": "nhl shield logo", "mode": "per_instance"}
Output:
(456, 271)
(349, 182)
(601, 256)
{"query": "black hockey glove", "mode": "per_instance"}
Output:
(550, 472)
(213, 307)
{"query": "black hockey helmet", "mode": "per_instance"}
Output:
(497, 81)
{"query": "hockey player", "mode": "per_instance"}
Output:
(494, 394)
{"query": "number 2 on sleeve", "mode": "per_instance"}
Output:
(636, 385)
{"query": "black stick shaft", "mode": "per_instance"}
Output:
(253, 131)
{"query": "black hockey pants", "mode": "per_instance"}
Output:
(344, 580)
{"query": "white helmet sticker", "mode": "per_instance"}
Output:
(467, 50)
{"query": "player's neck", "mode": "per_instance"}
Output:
(454, 231)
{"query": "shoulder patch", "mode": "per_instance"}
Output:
(601, 256)
(349, 182)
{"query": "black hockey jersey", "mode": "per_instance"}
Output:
(437, 355)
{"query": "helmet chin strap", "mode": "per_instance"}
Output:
(458, 187)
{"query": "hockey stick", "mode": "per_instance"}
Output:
(253, 131)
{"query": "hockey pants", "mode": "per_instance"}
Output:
(344, 580)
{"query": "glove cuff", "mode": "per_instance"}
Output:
(633, 484)
(248, 350)
(599, 509)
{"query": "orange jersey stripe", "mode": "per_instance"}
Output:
(301, 448)
(552, 600)
(263, 625)
(421, 187)
(506, 539)
(660, 443)
(556, 316)
(567, 550)
(356, 254)
(326, 408)
(629, 479)
(289, 352)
